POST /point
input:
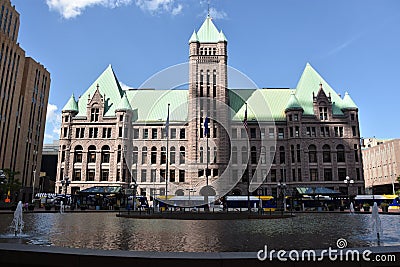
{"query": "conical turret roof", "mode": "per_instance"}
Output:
(208, 33)
(71, 106)
(293, 103)
(123, 104)
(348, 103)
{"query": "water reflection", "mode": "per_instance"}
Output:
(106, 231)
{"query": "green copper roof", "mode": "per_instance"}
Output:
(348, 102)
(222, 37)
(262, 104)
(309, 84)
(123, 104)
(71, 105)
(108, 86)
(151, 106)
(194, 37)
(293, 103)
(208, 33)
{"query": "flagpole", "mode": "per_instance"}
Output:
(207, 161)
(167, 162)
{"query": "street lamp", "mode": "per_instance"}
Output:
(134, 187)
(190, 190)
(282, 193)
(348, 181)
(33, 185)
(65, 183)
(3, 178)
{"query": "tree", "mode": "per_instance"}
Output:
(12, 185)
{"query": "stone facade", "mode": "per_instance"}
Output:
(24, 95)
(382, 166)
(310, 137)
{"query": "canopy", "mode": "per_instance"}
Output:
(104, 190)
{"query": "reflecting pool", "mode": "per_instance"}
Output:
(106, 231)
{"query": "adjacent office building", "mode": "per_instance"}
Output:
(24, 91)
(307, 136)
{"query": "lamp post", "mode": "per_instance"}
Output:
(348, 181)
(190, 190)
(134, 187)
(282, 193)
(3, 180)
(65, 183)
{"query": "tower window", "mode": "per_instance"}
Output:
(94, 114)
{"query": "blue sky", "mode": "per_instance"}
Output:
(354, 45)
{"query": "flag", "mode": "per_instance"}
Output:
(167, 125)
(245, 118)
(206, 131)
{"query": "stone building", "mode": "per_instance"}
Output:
(24, 89)
(306, 136)
(381, 165)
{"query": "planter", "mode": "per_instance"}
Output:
(366, 209)
(47, 207)
(57, 207)
(385, 208)
(83, 207)
(331, 208)
(341, 208)
(31, 207)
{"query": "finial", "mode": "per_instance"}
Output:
(208, 9)
(320, 85)
(97, 86)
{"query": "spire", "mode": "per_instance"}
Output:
(208, 33)
(293, 103)
(222, 37)
(348, 103)
(124, 104)
(194, 38)
(71, 106)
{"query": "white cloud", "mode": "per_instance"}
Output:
(160, 6)
(53, 123)
(125, 86)
(216, 14)
(72, 8)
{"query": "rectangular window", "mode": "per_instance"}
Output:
(182, 134)
(93, 132)
(297, 131)
(328, 174)
(296, 117)
(354, 130)
(271, 133)
(121, 117)
(323, 113)
(104, 175)
(152, 176)
(281, 133)
(243, 133)
(91, 175)
(299, 177)
(94, 114)
(273, 175)
(120, 132)
(313, 132)
(65, 131)
(163, 133)
(172, 176)
(234, 133)
(290, 118)
(294, 175)
(135, 133)
(145, 133)
(352, 116)
(181, 176)
(162, 176)
(253, 134)
(143, 176)
(338, 131)
(308, 131)
(262, 133)
(173, 133)
(77, 175)
(313, 174)
(358, 174)
(342, 174)
(153, 133)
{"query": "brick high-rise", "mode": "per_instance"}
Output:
(24, 89)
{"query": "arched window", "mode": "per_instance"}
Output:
(91, 154)
(182, 155)
(253, 155)
(340, 153)
(105, 154)
(135, 155)
(172, 155)
(119, 154)
(163, 159)
(78, 154)
(153, 157)
(244, 155)
(63, 153)
(326, 153)
(282, 156)
(201, 155)
(144, 155)
(234, 155)
(312, 154)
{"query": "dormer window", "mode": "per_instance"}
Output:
(94, 114)
(323, 113)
